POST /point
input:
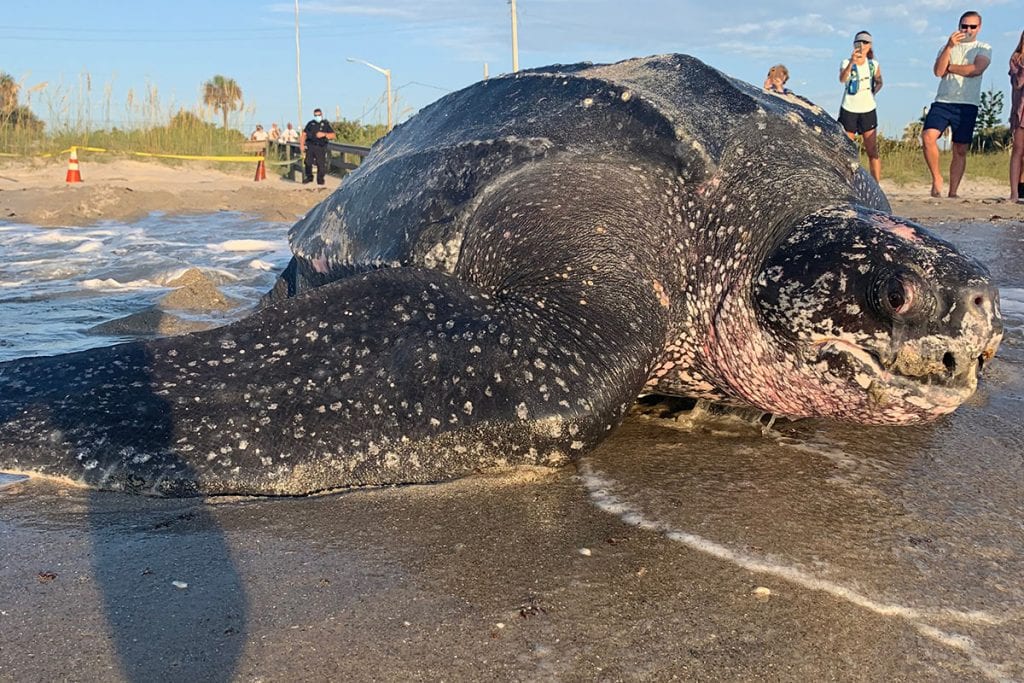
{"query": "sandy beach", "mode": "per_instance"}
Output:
(127, 189)
(812, 554)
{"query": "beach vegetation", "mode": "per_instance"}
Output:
(903, 161)
(144, 123)
(989, 135)
(14, 115)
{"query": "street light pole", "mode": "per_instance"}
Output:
(515, 39)
(298, 67)
(387, 75)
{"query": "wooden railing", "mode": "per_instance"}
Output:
(341, 157)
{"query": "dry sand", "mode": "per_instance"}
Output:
(124, 190)
(127, 189)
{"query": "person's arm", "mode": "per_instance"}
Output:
(844, 70)
(1017, 70)
(941, 67)
(302, 142)
(973, 70)
(878, 79)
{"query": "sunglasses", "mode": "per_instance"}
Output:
(966, 27)
(861, 42)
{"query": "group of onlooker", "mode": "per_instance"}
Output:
(312, 143)
(275, 134)
(959, 66)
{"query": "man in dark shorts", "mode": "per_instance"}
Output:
(313, 143)
(960, 64)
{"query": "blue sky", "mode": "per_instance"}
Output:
(435, 46)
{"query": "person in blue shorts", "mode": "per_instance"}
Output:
(959, 65)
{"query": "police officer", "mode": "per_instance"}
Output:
(313, 144)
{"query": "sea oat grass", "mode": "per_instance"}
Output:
(144, 123)
(904, 165)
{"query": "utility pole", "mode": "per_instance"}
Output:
(298, 67)
(485, 71)
(515, 38)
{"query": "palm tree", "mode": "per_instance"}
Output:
(224, 94)
(8, 93)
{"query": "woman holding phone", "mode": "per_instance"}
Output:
(862, 77)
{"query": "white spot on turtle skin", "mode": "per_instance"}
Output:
(468, 408)
(588, 102)
(521, 411)
(626, 95)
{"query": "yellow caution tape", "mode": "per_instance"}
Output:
(191, 157)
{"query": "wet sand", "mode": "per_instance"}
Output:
(710, 553)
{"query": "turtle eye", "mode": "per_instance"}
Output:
(899, 294)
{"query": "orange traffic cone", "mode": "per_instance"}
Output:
(261, 171)
(74, 175)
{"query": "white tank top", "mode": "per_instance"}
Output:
(864, 100)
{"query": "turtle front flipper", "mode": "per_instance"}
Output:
(398, 375)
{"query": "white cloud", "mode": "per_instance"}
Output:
(810, 24)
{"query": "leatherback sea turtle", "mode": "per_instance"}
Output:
(508, 271)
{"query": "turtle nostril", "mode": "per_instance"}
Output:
(949, 361)
(979, 300)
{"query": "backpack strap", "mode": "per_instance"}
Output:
(853, 83)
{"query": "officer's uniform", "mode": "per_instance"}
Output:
(316, 150)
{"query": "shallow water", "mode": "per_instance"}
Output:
(57, 283)
(922, 524)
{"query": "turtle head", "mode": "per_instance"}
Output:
(876, 320)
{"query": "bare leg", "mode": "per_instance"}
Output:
(930, 143)
(1016, 162)
(871, 147)
(956, 167)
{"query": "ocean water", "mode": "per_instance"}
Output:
(58, 283)
(923, 524)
